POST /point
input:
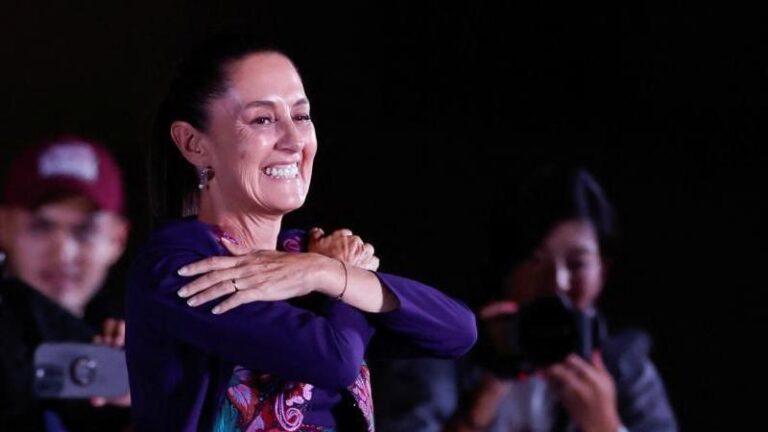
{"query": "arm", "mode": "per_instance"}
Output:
(420, 319)
(335, 341)
(426, 322)
(415, 318)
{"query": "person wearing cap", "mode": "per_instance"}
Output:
(61, 230)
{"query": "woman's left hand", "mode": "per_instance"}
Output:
(587, 391)
(259, 276)
(344, 246)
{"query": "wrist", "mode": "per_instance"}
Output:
(334, 278)
(611, 425)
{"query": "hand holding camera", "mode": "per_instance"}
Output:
(551, 336)
(538, 334)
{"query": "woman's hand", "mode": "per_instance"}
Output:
(344, 246)
(587, 391)
(258, 276)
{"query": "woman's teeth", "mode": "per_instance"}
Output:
(283, 171)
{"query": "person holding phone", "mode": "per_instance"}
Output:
(61, 230)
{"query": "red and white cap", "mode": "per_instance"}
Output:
(65, 166)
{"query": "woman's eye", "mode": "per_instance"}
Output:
(302, 118)
(263, 120)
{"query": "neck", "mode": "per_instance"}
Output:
(252, 231)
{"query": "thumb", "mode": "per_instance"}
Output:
(316, 233)
(597, 360)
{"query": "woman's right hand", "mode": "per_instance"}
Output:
(343, 246)
(258, 276)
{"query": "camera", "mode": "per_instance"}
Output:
(79, 370)
(543, 332)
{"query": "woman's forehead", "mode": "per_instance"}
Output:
(265, 76)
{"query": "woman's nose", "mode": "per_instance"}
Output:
(291, 141)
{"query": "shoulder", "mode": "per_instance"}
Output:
(25, 310)
(173, 244)
(626, 353)
(632, 341)
(184, 234)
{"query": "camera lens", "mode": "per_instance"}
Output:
(83, 371)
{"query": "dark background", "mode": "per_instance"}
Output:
(424, 114)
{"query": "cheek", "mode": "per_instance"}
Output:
(588, 284)
(248, 176)
(95, 257)
(29, 251)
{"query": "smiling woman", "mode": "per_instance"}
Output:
(224, 331)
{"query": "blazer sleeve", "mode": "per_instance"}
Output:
(427, 323)
(274, 337)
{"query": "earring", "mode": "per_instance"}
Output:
(204, 176)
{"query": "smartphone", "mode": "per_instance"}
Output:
(79, 370)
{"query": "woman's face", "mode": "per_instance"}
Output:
(260, 138)
(567, 260)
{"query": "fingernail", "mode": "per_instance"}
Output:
(192, 301)
(183, 271)
(216, 310)
(182, 292)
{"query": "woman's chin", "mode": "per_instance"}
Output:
(286, 204)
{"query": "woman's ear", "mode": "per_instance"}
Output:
(190, 142)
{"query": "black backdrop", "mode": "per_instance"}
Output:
(425, 113)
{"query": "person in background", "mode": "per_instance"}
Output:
(62, 228)
(555, 236)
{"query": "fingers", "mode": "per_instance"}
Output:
(220, 289)
(237, 299)
(372, 264)
(576, 378)
(367, 252)
(582, 369)
(316, 233)
(567, 382)
(597, 361)
(113, 333)
(209, 264)
(213, 279)
(121, 401)
(495, 309)
(344, 232)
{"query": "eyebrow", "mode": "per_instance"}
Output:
(260, 103)
(90, 219)
(582, 250)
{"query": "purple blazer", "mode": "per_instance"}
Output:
(181, 359)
